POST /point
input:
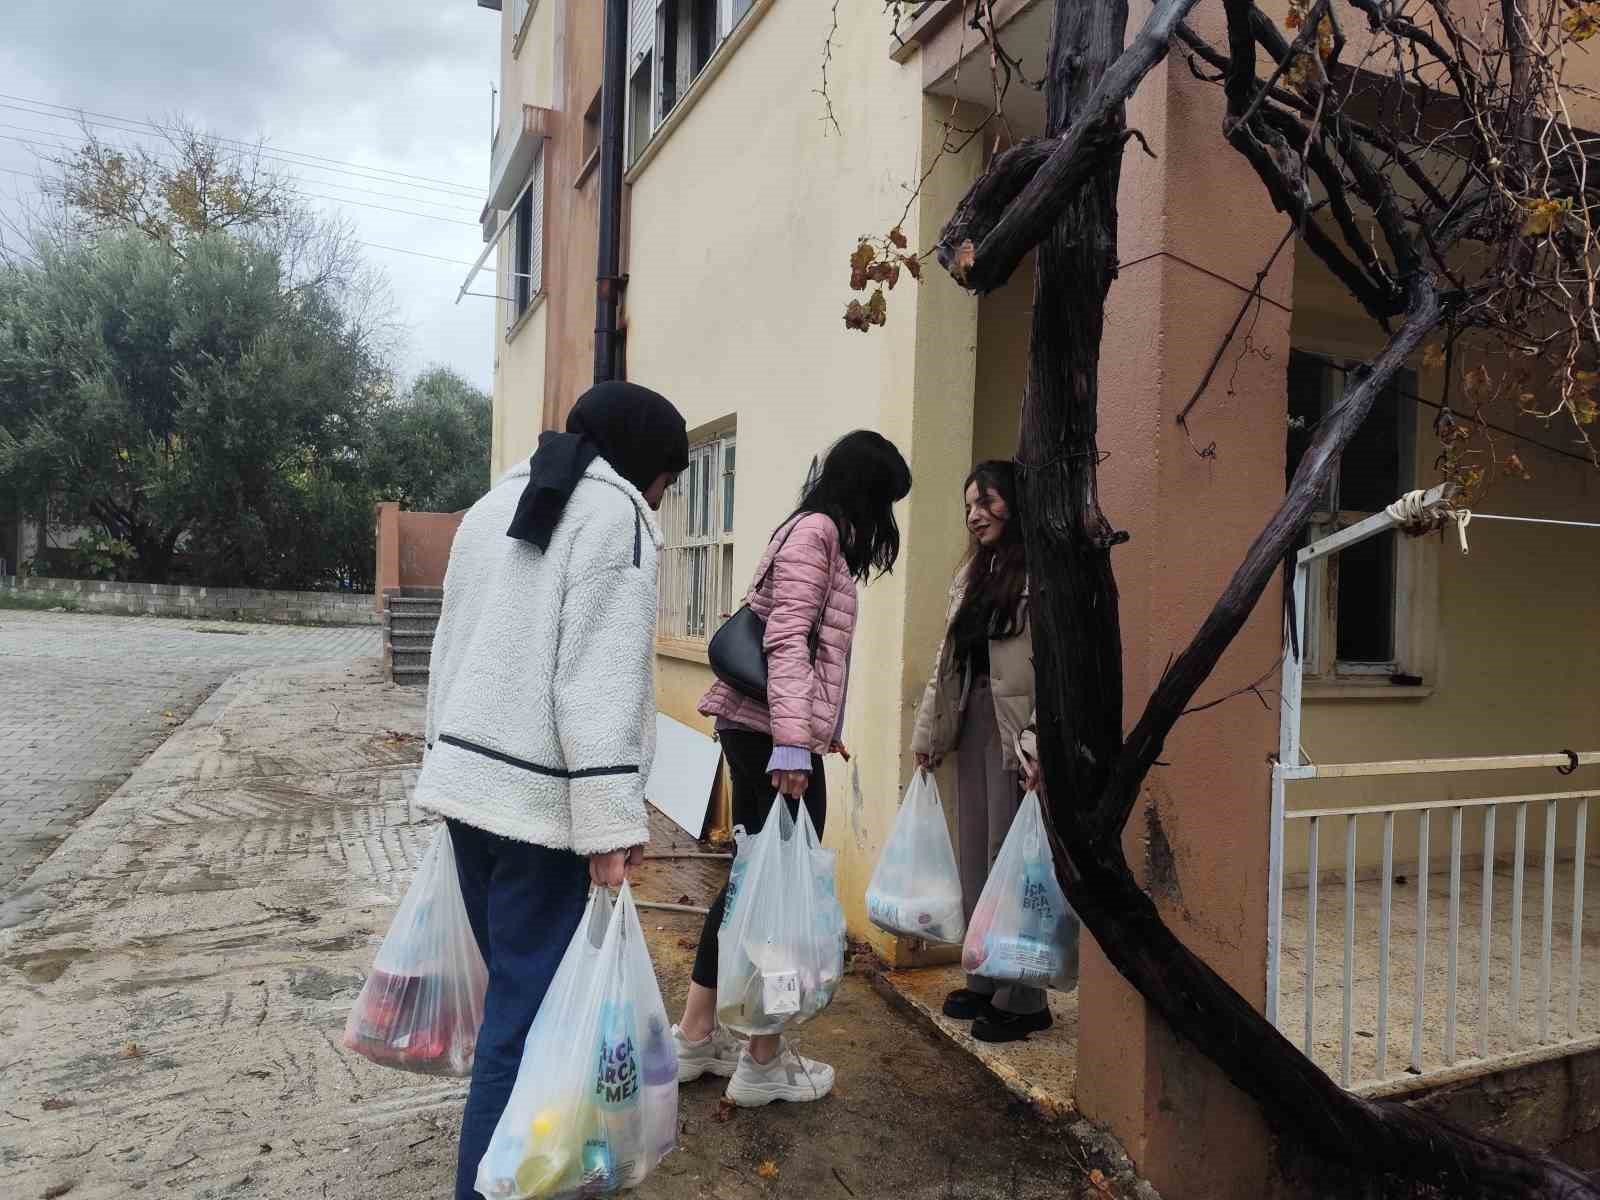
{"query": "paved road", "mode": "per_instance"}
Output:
(84, 698)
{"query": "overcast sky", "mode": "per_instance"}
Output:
(399, 88)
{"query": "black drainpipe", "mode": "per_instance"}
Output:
(608, 277)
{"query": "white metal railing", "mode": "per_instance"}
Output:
(1498, 1011)
(1560, 811)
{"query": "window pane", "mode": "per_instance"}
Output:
(694, 495)
(1307, 385)
(727, 488)
(705, 33)
(639, 109)
(705, 493)
(1366, 601)
(1375, 469)
(697, 592)
(522, 258)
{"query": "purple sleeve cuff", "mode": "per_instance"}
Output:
(789, 758)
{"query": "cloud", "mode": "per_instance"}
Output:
(398, 87)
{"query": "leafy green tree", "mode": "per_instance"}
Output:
(429, 447)
(193, 401)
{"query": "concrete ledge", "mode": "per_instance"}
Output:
(188, 600)
(1041, 1071)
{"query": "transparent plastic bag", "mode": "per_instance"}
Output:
(595, 1105)
(780, 952)
(916, 888)
(1023, 930)
(422, 1005)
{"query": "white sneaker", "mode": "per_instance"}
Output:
(787, 1076)
(715, 1054)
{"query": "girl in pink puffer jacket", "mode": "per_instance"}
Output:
(805, 591)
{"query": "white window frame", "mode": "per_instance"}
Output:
(647, 32)
(1415, 597)
(696, 582)
(534, 189)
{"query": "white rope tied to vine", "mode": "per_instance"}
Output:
(1412, 514)
(1414, 518)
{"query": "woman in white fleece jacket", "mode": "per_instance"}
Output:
(541, 706)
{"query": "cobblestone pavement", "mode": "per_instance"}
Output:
(84, 698)
(171, 1016)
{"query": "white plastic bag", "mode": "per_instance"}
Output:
(1023, 930)
(780, 951)
(595, 1105)
(421, 1007)
(916, 888)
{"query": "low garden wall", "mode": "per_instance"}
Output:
(184, 600)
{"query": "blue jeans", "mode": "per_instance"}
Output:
(524, 903)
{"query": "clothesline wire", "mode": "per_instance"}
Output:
(1479, 516)
(1437, 407)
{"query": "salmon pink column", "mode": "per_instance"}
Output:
(1195, 228)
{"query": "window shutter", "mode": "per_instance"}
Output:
(536, 236)
(641, 30)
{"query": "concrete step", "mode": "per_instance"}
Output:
(422, 593)
(414, 642)
(409, 675)
(415, 625)
(410, 658)
(408, 604)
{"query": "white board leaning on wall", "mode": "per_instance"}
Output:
(681, 777)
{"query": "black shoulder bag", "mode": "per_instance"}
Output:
(737, 651)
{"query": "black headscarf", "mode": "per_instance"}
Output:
(634, 429)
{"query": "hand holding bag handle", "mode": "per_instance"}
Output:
(737, 650)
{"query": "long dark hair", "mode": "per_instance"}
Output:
(860, 479)
(996, 575)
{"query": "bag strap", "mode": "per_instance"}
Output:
(814, 636)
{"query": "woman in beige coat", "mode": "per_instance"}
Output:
(981, 700)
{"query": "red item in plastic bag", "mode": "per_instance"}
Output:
(422, 1006)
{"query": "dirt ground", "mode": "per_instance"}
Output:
(170, 1022)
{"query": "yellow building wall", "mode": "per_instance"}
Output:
(742, 222)
(527, 76)
(518, 389)
(1517, 660)
(1005, 321)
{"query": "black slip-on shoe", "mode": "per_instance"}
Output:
(998, 1026)
(965, 1005)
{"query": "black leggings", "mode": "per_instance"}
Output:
(747, 754)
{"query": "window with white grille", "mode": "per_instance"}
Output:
(697, 589)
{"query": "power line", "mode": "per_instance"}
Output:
(70, 143)
(151, 125)
(1344, 368)
(456, 262)
(297, 191)
(458, 191)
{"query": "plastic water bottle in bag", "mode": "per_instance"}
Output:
(617, 1085)
(660, 1101)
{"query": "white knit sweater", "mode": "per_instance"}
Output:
(541, 696)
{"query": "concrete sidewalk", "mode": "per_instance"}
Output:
(172, 1005)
